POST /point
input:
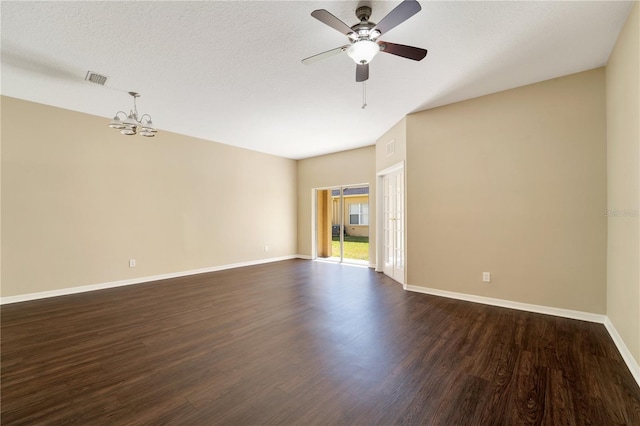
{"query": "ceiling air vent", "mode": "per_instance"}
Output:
(96, 78)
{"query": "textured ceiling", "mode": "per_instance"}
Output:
(230, 71)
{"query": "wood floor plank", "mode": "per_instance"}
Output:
(301, 342)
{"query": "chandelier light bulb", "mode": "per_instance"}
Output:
(130, 121)
(116, 123)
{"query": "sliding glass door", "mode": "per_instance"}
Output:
(342, 224)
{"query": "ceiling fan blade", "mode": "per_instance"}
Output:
(397, 16)
(362, 72)
(327, 18)
(409, 52)
(320, 56)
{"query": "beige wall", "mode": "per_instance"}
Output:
(514, 184)
(1, 199)
(398, 136)
(623, 180)
(343, 168)
(79, 200)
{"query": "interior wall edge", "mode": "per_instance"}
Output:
(623, 349)
(623, 178)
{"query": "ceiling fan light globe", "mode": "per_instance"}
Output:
(363, 51)
(128, 131)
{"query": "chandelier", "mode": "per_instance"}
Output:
(133, 124)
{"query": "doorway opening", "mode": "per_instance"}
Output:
(342, 224)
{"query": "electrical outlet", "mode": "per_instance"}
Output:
(486, 277)
(132, 263)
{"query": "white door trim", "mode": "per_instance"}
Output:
(379, 218)
(391, 169)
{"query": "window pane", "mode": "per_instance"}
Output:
(353, 219)
(354, 208)
(365, 208)
(364, 220)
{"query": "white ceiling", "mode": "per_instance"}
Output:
(230, 71)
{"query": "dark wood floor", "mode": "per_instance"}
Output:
(301, 342)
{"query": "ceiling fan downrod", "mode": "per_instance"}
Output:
(363, 13)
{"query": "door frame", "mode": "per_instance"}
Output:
(380, 217)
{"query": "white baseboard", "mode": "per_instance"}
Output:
(559, 312)
(139, 280)
(624, 351)
(304, 256)
(632, 364)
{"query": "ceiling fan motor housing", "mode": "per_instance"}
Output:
(363, 13)
(362, 30)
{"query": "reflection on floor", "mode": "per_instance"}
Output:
(346, 261)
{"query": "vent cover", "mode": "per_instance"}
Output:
(391, 147)
(96, 78)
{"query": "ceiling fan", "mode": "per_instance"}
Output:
(363, 37)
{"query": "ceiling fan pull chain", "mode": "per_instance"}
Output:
(364, 94)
